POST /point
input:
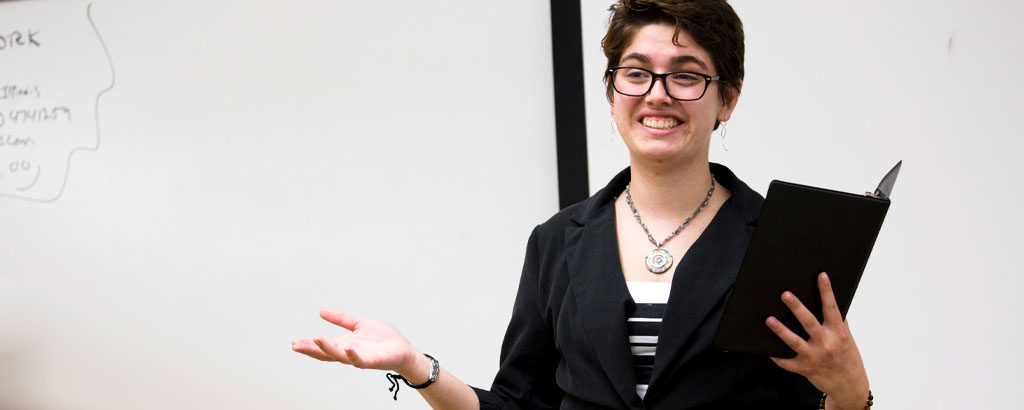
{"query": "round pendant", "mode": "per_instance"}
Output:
(659, 260)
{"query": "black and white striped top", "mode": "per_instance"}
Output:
(644, 325)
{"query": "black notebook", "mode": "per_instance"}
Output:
(801, 232)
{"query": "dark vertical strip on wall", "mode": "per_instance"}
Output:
(570, 118)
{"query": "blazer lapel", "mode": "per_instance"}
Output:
(596, 281)
(703, 278)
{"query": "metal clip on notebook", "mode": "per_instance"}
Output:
(885, 187)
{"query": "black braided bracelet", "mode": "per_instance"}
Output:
(435, 369)
(870, 402)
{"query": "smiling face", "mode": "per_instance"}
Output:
(656, 128)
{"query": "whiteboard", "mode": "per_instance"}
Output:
(228, 168)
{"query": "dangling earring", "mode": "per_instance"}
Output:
(615, 130)
(721, 133)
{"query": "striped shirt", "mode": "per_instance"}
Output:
(644, 325)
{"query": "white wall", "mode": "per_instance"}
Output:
(256, 162)
(835, 94)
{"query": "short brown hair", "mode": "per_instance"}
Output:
(712, 24)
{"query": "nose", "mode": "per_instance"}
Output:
(658, 93)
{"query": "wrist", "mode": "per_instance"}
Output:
(409, 377)
(851, 394)
(853, 399)
(418, 368)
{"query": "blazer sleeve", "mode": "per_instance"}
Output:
(526, 376)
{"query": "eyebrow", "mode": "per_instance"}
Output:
(679, 60)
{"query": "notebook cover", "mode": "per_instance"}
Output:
(802, 231)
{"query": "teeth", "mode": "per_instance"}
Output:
(660, 123)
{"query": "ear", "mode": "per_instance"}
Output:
(725, 112)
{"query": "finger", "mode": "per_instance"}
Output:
(790, 365)
(310, 349)
(793, 340)
(354, 357)
(804, 316)
(331, 350)
(829, 306)
(340, 318)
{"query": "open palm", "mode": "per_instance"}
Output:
(371, 344)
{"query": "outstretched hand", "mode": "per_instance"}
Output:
(829, 359)
(372, 344)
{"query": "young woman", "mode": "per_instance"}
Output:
(621, 293)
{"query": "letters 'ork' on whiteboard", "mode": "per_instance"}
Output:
(53, 69)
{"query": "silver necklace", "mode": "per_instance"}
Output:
(659, 259)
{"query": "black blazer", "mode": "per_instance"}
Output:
(566, 345)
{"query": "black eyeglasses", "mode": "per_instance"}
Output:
(679, 85)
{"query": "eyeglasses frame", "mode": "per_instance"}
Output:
(654, 78)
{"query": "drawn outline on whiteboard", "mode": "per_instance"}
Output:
(67, 168)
